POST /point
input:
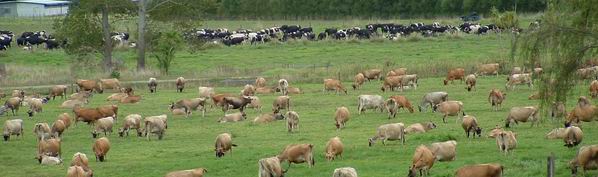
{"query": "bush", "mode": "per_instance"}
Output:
(166, 44)
(505, 20)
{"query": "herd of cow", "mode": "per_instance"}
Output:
(29, 39)
(104, 118)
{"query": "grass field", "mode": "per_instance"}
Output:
(188, 143)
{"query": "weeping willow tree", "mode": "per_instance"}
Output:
(561, 42)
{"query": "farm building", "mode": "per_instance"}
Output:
(33, 8)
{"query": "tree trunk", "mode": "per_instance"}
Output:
(107, 40)
(141, 36)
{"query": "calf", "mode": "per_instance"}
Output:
(131, 99)
(392, 82)
(573, 136)
(444, 151)
(390, 132)
(344, 172)
(101, 148)
(450, 108)
(12, 127)
(132, 121)
(496, 97)
(522, 114)
(431, 99)
(77, 171)
(333, 84)
(198, 172)
(49, 160)
(480, 170)
(488, 69)
(334, 148)
(470, 81)
(410, 80)
(256, 104)
(103, 125)
(506, 141)
(298, 153)
(270, 167)
(223, 144)
(557, 133)
(470, 125)
(370, 102)
(358, 80)
(292, 121)
(423, 160)
(455, 74)
(152, 84)
(420, 128)
(180, 84)
(586, 158)
(341, 116)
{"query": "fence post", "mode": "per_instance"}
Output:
(550, 165)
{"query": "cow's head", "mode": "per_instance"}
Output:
(30, 113)
(445, 82)
(121, 132)
(370, 142)
(412, 172)
(6, 136)
(94, 134)
(478, 131)
(354, 86)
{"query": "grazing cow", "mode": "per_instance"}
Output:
(496, 97)
(573, 136)
(470, 81)
(341, 116)
(110, 84)
(189, 105)
(410, 80)
(12, 127)
(392, 107)
(269, 117)
(557, 133)
(455, 74)
(58, 90)
(180, 84)
(270, 167)
(444, 151)
(223, 144)
(586, 73)
(234, 117)
(522, 114)
(420, 128)
(281, 102)
(450, 108)
(400, 71)
(390, 132)
(152, 84)
(109, 111)
(260, 82)
(50, 147)
(334, 148)
(519, 79)
(431, 99)
(344, 172)
(488, 69)
(42, 130)
(358, 80)
(89, 85)
(283, 85)
(333, 84)
(557, 110)
(103, 125)
(198, 172)
(88, 115)
(470, 125)
(506, 141)
(423, 160)
(101, 148)
(370, 102)
(298, 153)
(206, 92)
(57, 128)
(594, 89)
(402, 102)
(235, 103)
(155, 125)
(292, 121)
(49, 160)
(35, 105)
(13, 104)
(480, 170)
(372, 74)
(392, 82)
(132, 121)
(586, 158)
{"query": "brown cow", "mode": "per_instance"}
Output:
(392, 82)
(198, 172)
(372, 74)
(298, 153)
(586, 158)
(470, 125)
(480, 170)
(496, 97)
(180, 84)
(109, 111)
(88, 115)
(594, 89)
(403, 102)
(358, 80)
(341, 116)
(333, 84)
(470, 81)
(50, 147)
(101, 148)
(58, 90)
(486, 69)
(334, 148)
(455, 74)
(260, 82)
(89, 85)
(270, 167)
(281, 102)
(110, 84)
(223, 144)
(423, 160)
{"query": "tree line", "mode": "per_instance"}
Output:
(334, 9)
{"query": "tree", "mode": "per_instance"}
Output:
(566, 36)
(87, 27)
(166, 45)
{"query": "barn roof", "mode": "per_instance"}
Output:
(42, 2)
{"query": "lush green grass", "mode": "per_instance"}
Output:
(188, 143)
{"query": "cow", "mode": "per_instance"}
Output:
(480, 170)
(420, 127)
(444, 151)
(50, 147)
(152, 84)
(519, 79)
(292, 121)
(390, 132)
(110, 84)
(470, 125)
(344, 172)
(586, 158)
(101, 148)
(198, 172)
(372, 74)
(470, 81)
(370, 102)
(496, 97)
(573, 136)
(283, 84)
(333, 84)
(281, 102)
(189, 105)
(423, 160)
(223, 144)
(12, 127)
(488, 69)
(341, 116)
(298, 153)
(132, 121)
(506, 141)
(180, 84)
(392, 82)
(260, 82)
(270, 167)
(334, 148)
(58, 90)
(594, 89)
(155, 125)
(42, 131)
(450, 108)
(431, 99)
(522, 114)
(236, 103)
(358, 80)
(455, 74)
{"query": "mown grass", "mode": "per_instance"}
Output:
(188, 143)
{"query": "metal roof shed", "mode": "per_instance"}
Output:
(33, 8)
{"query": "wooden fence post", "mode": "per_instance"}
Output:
(550, 165)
